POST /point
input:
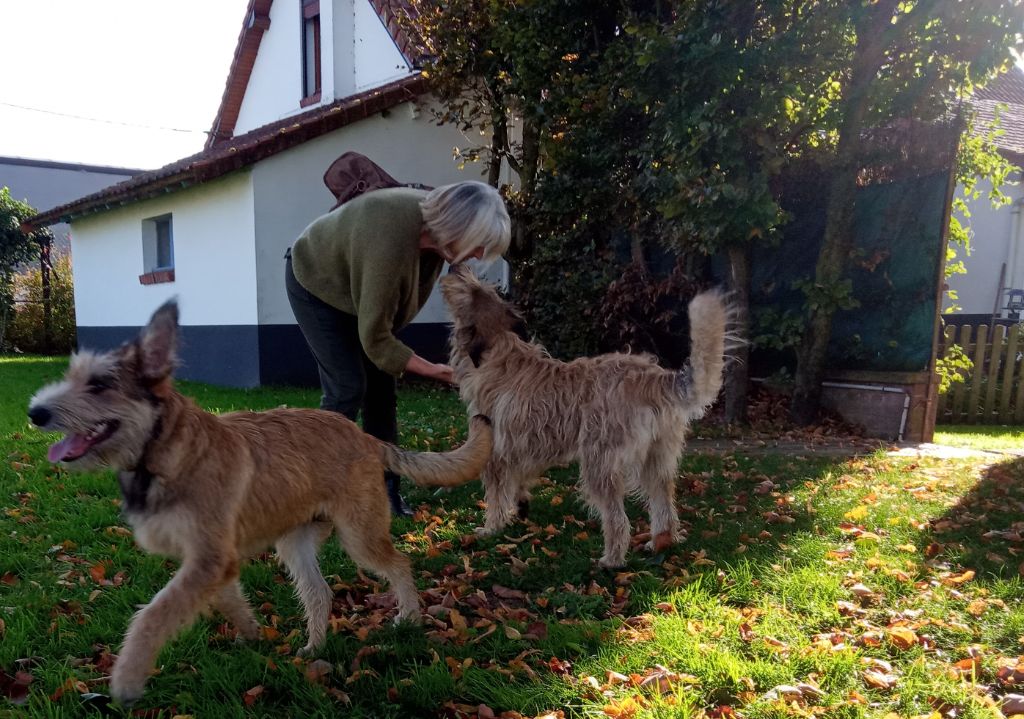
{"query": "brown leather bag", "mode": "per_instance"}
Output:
(353, 174)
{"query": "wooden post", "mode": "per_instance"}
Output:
(960, 391)
(44, 270)
(1009, 367)
(994, 358)
(980, 345)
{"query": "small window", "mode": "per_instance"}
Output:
(310, 52)
(157, 250)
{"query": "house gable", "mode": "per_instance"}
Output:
(361, 46)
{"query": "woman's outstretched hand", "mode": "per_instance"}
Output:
(440, 372)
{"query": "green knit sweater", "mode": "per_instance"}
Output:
(364, 259)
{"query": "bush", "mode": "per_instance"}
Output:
(26, 331)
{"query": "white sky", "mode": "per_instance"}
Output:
(140, 62)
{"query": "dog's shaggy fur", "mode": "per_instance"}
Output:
(213, 490)
(621, 416)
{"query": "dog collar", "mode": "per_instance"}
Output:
(135, 483)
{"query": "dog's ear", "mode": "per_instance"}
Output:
(158, 344)
(473, 344)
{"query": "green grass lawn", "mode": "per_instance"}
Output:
(806, 587)
(991, 437)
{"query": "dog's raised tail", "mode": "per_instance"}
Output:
(445, 469)
(700, 379)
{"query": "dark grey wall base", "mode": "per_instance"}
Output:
(253, 355)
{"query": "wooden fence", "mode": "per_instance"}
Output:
(993, 390)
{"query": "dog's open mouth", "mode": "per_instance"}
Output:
(75, 446)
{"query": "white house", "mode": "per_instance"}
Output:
(994, 283)
(310, 79)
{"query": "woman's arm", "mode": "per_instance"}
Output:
(420, 366)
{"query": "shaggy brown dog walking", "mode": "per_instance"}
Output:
(621, 416)
(213, 490)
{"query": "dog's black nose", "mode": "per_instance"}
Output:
(40, 416)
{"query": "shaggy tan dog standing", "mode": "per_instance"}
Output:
(621, 416)
(213, 490)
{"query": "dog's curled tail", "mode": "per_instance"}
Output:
(445, 469)
(700, 379)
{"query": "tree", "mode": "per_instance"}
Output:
(647, 125)
(905, 59)
(16, 248)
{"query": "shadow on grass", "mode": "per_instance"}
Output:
(984, 530)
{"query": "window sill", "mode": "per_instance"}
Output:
(310, 100)
(156, 277)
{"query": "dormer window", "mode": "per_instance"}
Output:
(310, 52)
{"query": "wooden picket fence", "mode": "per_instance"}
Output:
(993, 390)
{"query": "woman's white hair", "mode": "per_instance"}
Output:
(465, 216)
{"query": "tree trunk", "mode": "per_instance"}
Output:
(736, 377)
(499, 146)
(872, 35)
(522, 245)
(44, 272)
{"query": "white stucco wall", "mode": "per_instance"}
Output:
(356, 53)
(997, 237)
(214, 258)
(289, 191)
(338, 59)
(377, 58)
(275, 85)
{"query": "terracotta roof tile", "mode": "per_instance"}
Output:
(1004, 95)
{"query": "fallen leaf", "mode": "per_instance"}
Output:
(977, 607)
(1012, 704)
(506, 593)
(623, 709)
(879, 680)
(15, 688)
(955, 580)
(251, 695)
(902, 637)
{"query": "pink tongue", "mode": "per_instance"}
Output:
(74, 445)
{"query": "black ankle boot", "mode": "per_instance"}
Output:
(398, 506)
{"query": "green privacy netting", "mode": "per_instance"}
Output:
(895, 272)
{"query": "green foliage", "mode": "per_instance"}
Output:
(955, 366)
(16, 247)
(26, 331)
(776, 330)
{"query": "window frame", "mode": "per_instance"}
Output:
(310, 26)
(154, 271)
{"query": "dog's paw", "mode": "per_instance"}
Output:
(410, 620)
(307, 651)
(248, 634)
(660, 542)
(484, 532)
(611, 563)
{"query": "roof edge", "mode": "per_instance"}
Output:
(256, 22)
(79, 166)
(239, 152)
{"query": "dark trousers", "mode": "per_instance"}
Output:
(349, 380)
